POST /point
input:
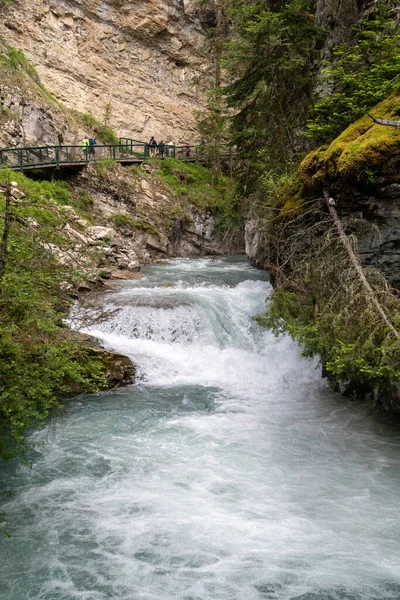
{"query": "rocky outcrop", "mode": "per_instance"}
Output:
(131, 219)
(361, 170)
(379, 236)
(119, 368)
(256, 243)
(157, 224)
(338, 17)
(144, 59)
(28, 114)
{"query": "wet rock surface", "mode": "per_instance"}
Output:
(119, 368)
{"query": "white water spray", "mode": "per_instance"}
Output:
(230, 473)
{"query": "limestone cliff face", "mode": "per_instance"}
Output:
(144, 57)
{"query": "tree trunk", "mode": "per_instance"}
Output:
(386, 122)
(357, 265)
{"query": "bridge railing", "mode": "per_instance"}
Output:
(36, 156)
(126, 150)
(21, 158)
(134, 148)
(186, 152)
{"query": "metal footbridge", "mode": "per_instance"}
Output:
(127, 151)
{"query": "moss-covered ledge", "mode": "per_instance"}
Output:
(362, 154)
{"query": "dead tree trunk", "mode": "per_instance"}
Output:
(357, 265)
(386, 122)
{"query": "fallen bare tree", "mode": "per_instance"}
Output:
(337, 308)
(356, 263)
(386, 122)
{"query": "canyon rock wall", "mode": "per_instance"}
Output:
(121, 218)
(337, 18)
(146, 58)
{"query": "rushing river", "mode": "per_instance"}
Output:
(229, 472)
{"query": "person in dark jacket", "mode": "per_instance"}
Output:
(153, 146)
(92, 144)
(161, 149)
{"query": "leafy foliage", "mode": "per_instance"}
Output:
(106, 166)
(15, 60)
(361, 75)
(213, 126)
(6, 3)
(105, 134)
(41, 362)
(213, 123)
(200, 188)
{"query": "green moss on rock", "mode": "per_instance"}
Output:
(359, 155)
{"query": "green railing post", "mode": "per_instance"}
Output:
(20, 160)
(57, 157)
(114, 153)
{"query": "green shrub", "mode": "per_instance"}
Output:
(105, 166)
(195, 184)
(41, 363)
(105, 135)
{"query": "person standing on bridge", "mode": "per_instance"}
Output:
(171, 149)
(85, 147)
(92, 143)
(153, 146)
(161, 149)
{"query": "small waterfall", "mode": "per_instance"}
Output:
(229, 471)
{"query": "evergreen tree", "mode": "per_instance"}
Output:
(360, 74)
(271, 66)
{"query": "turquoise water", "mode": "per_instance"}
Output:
(229, 472)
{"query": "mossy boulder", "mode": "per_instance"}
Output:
(362, 154)
(118, 368)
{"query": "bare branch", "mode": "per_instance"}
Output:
(356, 264)
(386, 122)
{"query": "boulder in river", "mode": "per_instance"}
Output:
(119, 368)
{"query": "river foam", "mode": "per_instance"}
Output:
(229, 472)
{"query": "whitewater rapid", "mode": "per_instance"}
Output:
(229, 471)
